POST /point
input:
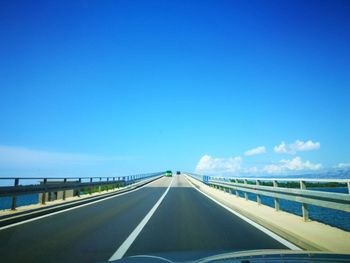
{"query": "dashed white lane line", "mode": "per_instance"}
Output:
(131, 238)
(261, 228)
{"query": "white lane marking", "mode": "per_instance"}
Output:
(69, 209)
(131, 238)
(261, 228)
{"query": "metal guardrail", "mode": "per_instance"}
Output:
(55, 184)
(338, 201)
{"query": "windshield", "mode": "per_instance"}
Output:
(174, 130)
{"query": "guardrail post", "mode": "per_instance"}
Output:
(43, 195)
(277, 201)
(14, 198)
(99, 186)
(107, 183)
(113, 185)
(237, 194)
(245, 193)
(258, 197)
(64, 191)
(223, 188)
(304, 207)
(90, 189)
(79, 187)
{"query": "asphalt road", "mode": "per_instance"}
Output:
(189, 222)
(185, 221)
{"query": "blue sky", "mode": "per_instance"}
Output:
(120, 87)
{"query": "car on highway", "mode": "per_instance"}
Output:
(169, 173)
(178, 172)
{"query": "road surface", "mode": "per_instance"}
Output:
(185, 225)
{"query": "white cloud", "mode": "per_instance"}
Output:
(295, 164)
(255, 151)
(343, 165)
(282, 148)
(233, 166)
(297, 146)
(211, 165)
(23, 157)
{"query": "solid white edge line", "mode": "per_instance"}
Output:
(69, 209)
(256, 225)
(131, 238)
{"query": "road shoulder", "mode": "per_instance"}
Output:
(310, 235)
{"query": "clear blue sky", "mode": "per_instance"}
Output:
(151, 85)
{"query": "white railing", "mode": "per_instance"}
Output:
(277, 188)
(45, 185)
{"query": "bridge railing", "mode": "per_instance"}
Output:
(280, 188)
(45, 185)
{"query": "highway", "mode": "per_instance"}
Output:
(185, 221)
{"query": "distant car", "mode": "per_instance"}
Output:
(169, 173)
(178, 172)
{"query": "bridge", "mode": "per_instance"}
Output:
(183, 217)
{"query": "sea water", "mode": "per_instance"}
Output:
(328, 216)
